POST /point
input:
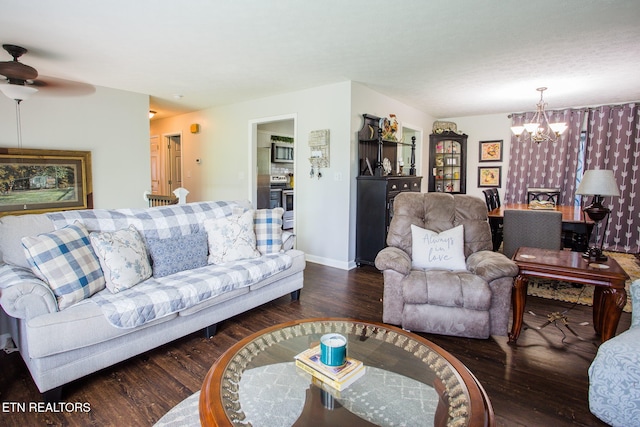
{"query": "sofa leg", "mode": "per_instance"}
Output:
(210, 331)
(295, 295)
(52, 396)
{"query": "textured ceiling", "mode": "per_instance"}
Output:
(448, 58)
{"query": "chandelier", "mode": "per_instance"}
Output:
(539, 129)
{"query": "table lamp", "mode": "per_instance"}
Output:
(598, 183)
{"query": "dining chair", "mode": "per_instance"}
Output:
(492, 198)
(489, 199)
(543, 195)
(531, 228)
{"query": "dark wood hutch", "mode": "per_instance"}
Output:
(378, 182)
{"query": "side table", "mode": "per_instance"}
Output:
(608, 278)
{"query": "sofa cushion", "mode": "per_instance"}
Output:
(65, 260)
(231, 238)
(176, 254)
(268, 229)
(442, 251)
(123, 257)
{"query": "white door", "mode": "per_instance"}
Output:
(156, 165)
(174, 148)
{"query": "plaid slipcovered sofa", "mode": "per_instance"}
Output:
(72, 312)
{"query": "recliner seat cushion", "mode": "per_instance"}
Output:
(446, 288)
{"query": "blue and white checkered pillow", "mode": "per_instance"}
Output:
(268, 227)
(65, 260)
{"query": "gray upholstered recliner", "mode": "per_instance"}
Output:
(471, 303)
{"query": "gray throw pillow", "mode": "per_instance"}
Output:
(178, 253)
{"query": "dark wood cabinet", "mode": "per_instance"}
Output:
(375, 210)
(448, 163)
(378, 182)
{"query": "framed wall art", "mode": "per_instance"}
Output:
(489, 176)
(36, 181)
(491, 151)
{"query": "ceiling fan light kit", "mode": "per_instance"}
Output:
(540, 129)
(17, 92)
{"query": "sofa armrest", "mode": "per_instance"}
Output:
(395, 259)
(23, 295)
(491, 265)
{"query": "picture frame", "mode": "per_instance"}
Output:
(489, 176)
(491, 151)
(37, 181)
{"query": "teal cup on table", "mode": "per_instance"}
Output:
(333, 349)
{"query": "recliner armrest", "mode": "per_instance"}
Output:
(491, 265)
(395, 259)
(23, 295)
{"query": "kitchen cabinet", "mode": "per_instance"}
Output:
(448, 162)
(378, 183)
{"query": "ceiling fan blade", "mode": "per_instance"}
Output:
(53, 86)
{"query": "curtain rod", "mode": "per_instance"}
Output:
(587, 109)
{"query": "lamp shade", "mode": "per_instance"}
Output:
(599, 182)
(17, 92)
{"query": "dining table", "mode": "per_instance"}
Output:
(576, 227)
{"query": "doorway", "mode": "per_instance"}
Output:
(272, 184)
(174, 161)
(166, 163)
(404, 151)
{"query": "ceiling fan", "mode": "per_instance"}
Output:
(21, 79)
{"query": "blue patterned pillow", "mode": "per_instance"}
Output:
(123, 257)
(64, 259)
(268, 227)
(178, 253)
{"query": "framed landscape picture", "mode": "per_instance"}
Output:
(489, 176)
(491, 151)
(35, 181)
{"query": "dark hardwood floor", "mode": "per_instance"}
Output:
(542, 381)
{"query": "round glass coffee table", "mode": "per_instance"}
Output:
(408, 381)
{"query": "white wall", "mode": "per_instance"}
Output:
(484, 128)
(225, 148)
(112, 124)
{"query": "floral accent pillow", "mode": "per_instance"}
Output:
(65, 261)
(176, 254)
(438, 251)
(123, 258)
(231, 238)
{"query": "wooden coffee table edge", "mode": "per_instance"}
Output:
(212, 412)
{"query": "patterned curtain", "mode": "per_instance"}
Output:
(549, 165)
(613, 142)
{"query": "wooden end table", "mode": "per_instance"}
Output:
(608, 277)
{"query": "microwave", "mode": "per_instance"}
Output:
(281, 152)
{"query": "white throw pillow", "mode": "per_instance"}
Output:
(438, 251)
(123, 257)
(231, 238)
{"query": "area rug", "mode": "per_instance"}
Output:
(583, 294)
